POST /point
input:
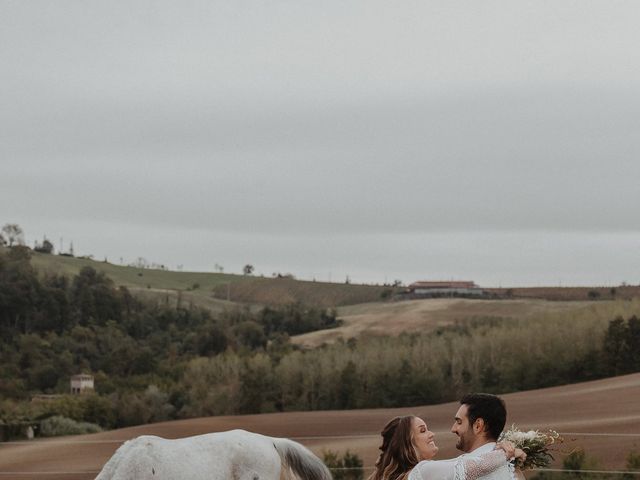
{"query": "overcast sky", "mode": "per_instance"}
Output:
(495, 141)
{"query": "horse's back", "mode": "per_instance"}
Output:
(237, 455)
(149, 457)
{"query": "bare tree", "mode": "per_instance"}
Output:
(13, 234)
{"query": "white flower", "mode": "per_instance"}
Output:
(535, 443)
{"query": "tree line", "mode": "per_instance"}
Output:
(53, 326)
(154, 363)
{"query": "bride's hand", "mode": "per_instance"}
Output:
(520, 455)
(509, 448)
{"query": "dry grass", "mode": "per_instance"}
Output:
(603, 406)
(570, 293)
(425, 315)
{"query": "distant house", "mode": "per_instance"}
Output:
(82, 383)
(444, 288)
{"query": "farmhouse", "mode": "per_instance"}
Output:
(444, 288)
(82, 383)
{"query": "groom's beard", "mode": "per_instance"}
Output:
(463, 444)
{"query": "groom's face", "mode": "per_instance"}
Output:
(463, 429)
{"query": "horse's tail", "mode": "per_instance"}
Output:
(298, 463)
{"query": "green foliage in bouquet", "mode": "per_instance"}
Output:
(537, 445)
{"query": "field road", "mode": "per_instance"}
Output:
(609, 406)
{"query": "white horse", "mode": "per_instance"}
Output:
(233, 455)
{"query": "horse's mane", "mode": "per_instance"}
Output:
(298, 463)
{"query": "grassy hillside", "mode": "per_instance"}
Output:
(419, 316)
(282, 291)
(215, 290)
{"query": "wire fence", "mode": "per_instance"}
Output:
(50, 441)
(635, 473)
(536, 470)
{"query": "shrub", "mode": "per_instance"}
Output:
(577, 461)
(58, 425)
(633, 465)
(45, 247)
(347, 467)
(386, 293)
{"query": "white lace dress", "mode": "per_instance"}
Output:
(491, 465)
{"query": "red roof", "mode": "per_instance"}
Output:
(443, 284)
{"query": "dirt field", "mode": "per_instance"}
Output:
(394, 318)
(609, 406)
(284, 291)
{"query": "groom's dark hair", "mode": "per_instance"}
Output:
(489, 408)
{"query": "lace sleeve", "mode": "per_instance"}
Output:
(471, 468)
(433, 470)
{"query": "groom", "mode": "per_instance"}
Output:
(478, 424)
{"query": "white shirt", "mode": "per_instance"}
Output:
(484, 463)
(503, 472)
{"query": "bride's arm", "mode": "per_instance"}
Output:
(471, 468)
(464, 468)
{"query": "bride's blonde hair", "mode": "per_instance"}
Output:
(397, 452)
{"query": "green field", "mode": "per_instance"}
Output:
(215, 290)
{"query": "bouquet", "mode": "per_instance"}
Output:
(536, 445)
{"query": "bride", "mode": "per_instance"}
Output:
(408, 448)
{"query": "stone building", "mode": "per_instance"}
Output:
(82, 383)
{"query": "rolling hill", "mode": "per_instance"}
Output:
(394, 318)
(360, 307)
(215, 290)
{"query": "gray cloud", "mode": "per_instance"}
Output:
(321, 119)
(556, 160)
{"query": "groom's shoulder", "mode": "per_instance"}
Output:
(486, 448)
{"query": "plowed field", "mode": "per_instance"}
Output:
(610, 406)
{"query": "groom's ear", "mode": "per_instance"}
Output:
(478, 426)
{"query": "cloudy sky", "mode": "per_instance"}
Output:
(495, 141)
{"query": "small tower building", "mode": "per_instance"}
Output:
(82, 383)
